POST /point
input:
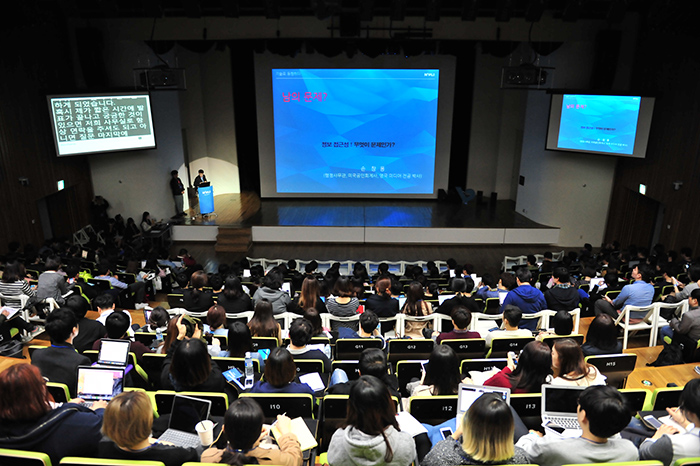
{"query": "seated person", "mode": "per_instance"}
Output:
(381, 301)
(216, 321)
(640, 293)
(157, 320)
(487, 431)
(300, 332)
(441, 376)
(280, 375)
(602, 337)
(462, 288)
(117, 327)
(272, 292)
(689, 323)
(137, 288)
(668, 445)
(570, 368)
(105, 306)
(562, 296)
(89, 330)
(372, 362)
(188, 366)
(51, 283)
(196, 298)
(461, 318)
(59, 362)
(534, 368)
(529, 299)
(127, 424)
(489, 288)
(369, 328)
(511, 319)
(243, 424)
(602, 414)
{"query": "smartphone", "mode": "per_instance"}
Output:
(445, 432)
(652, 421)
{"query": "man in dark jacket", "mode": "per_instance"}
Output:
(562, 296)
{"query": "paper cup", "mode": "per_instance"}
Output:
(205, 429)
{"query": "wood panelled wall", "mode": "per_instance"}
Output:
(667, 66)
(35, 60)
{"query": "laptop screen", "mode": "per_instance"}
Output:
(114, 352)
(187, 412)
(468, 394)
(99, 383)
(560, 401)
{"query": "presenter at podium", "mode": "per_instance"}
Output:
(200, 179)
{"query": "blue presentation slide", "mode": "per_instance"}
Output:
(355, 130)
(602, 123)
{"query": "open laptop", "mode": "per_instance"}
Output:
(114, 353)
(468, 394)
(186, 413)
(560, 406)
(99, 383)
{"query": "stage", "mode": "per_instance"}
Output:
(367, 222)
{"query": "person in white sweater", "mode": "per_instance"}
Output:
(602, 414)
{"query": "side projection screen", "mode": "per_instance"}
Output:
(92, 123)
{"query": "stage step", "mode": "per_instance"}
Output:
(233, 239)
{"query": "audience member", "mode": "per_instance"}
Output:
(59, 362)
(533, 368)
(570, 368)
(668, 445)
(602, 414)
(602, 337)
(216, 321)
(679, 295)
(127, 424)
(441, 375)
(300, 332)
(461, 318)
(89, 330)
(487, 431)
(233, 299)
(371, 434)
(511, 318)
(462, 288)
(343, 303)
(639, 293)
(158, 319)
(562, 296)
(243, 426)
(416, 306)
(51, 283)
(372, 362)
(280, 372)
(271, 291)
(196, 298)
(13, 285)
(529, 299)
(689, 323)
(381, 301)
(28, 420)
(117, 326)
(310, 297)
(263, 323)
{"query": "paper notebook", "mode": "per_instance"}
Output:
(304, 435)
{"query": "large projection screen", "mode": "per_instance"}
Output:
(360, 128)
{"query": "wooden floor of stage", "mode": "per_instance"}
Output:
(247, 209)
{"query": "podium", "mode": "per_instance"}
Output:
(206, 199)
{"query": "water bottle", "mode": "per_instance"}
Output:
(327, 351)
(248, 371)
(159, 335)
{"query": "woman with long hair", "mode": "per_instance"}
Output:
(234, 299)
(371, 434)
(487, 431)
(416, 306)
(442, 375)
(240, 342)
(570, 368)
(532, 370)
(128, 420)
(29, 420)
(196, 298)
(12, 286)
(263, 323)
(602, 337)
(310, 296)
(243, 425)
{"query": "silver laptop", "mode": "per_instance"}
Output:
(186, 413)
(444, 297)
(560, 406)
(99, 383)
(114, 352)
(468, 394)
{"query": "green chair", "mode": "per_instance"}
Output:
(59, 391)
(688, 462)
(665, 397)
(621, 463)
(10, 457)
(433, 409)
(293, 404)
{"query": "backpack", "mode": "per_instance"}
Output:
(671, 354)
(11, 349)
